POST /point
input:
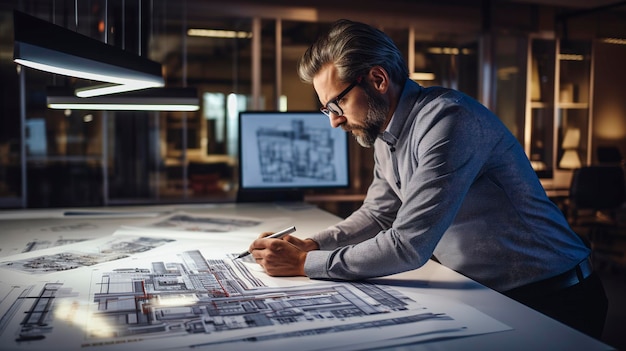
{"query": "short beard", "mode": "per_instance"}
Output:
(377, 111)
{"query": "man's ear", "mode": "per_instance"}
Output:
(379, 79)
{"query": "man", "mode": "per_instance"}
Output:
(449, 180)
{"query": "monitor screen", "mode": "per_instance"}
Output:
(291, 151)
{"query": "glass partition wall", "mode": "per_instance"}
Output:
(244, 58)
(198, 150)
(239, 57)
(236, 61)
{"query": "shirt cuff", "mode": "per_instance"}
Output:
(326, 239)
(315, 264)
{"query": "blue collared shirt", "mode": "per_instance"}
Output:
(449, 180)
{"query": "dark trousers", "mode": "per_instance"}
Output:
(582, 306)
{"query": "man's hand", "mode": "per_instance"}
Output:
(282, 257)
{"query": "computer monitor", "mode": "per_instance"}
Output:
(283, 154)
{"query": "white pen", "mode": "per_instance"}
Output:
(276, 235)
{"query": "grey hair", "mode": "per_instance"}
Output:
(353, 48)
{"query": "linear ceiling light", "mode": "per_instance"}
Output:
(218, 33)
(44, 46)
(152, 99)
(448, 51)
(571, 57)
(619, 41)
(422, 76)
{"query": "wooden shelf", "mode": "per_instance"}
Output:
(573, 105)
(539, 104)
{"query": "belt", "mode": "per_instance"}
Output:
(570, 278)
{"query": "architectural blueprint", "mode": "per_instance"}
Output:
(44, 233)
(176, 298)
(100, 251)
(298, 153)
(182, 221)
(185, 225)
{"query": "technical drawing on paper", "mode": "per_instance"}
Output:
(220, 304)
(202, 224)
(115, 249)
(296, 154)
(35, 323)
(200, 296)
(38, 244)
(213, 297)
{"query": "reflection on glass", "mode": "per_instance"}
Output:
(573, 104)
(199, 153)
(36, 144)
(510, 84)
(539, 146)
(214, 108)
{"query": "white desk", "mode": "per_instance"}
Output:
(530, 329)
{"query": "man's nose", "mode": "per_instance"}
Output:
(336, 120)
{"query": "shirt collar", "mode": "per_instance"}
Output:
(408, 97)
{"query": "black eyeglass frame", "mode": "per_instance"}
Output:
(332, 106)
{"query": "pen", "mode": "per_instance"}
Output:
(276, 235)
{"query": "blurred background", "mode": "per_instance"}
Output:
(552, 70)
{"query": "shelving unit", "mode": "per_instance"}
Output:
(558, 118)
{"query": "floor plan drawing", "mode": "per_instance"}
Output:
(193, 223)
(64, 260)
(38, 244)
(298, 153)
(207, 296)
(35, 325)
(46, 233)
(198, 301)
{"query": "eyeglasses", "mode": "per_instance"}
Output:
(332, 106)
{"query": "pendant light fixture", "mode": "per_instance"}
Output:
(44, 46)
(151, 99)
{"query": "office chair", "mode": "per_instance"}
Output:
(597, 194)
(609, 155)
